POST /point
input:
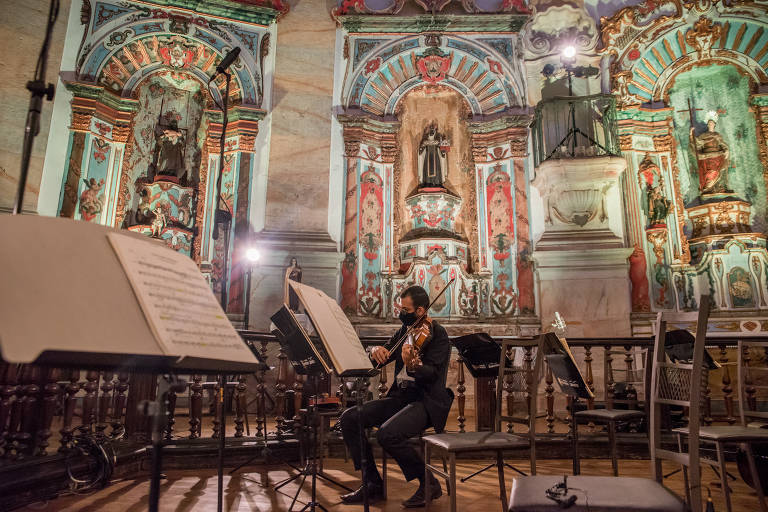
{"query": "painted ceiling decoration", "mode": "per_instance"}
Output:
(650, 42)
(374, 7)
(486, 71)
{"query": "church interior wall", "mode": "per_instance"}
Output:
(325, 166)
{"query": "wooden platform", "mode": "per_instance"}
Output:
(188, 490)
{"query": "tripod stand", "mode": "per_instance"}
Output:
(310, 468)
(570, 137)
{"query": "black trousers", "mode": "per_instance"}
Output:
(398, 419)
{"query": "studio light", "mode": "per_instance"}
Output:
(253, 254)
(569, 52)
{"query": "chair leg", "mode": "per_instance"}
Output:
(747, 447)
(575, 441)
(452, 473)
(384, 472)
(685, 472)
(445, 470)
(502, 486)
(427, 462)
(612, 441)
(723, 475)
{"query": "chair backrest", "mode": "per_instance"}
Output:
(750, 379)
(679, 384)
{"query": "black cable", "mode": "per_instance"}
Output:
(97, 447)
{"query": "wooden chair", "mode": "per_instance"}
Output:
(743, 435)
(448, 445)
(679, 384)
(613, 417)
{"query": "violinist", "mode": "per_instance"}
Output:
(416, 400)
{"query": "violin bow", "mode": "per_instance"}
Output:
(418, 320)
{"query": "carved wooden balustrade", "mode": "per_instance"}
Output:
(42, 409)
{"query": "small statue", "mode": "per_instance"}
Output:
(292, 273)
(170, 148)
(433, 169)
(712, 155)
(160, 222)
(657, 205)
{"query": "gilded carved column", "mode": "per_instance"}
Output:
(349, 265)
(81, 123)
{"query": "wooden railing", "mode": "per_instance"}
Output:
(41, 409)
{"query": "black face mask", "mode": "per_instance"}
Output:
(407, 318)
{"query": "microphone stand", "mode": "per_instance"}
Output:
(37, 88)
(223, 218)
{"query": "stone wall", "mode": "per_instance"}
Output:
(22, 27)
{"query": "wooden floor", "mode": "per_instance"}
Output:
(196, 490)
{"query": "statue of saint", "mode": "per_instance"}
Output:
(712, 155)
(292, 273)
(432, 166)
(658, 204)
(170, 148)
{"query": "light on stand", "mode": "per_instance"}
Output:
(569, 52)
(252, 254)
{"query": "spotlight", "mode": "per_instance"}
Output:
(569, 52)
(253, 254)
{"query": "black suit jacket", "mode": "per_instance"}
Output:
(430, 378)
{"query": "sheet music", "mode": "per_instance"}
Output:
(335, 329)
(179, 305)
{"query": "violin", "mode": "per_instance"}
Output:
(419, 333)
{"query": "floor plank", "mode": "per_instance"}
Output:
(187, 490)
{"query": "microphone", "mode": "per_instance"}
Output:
(227, 60)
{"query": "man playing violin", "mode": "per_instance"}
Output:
(417, 400)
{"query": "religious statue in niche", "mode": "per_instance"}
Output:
(433, 168)
(656, 203)
(712, 156)
(170, 150)
(292, 273)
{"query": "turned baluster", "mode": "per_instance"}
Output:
(706, 399)
(14, 420)
(461, 398)
(195, 406)
(7, 388)
(528, 365)
(589, 378)
(549, 393)
(118, 404)
(70, 392)
(610, 383)
(727, 389)
(280, 388)
(261, 419)
(749, 388)
(298, 395)
(104, 400)
(240, 404)
(170, 404)
(383, 383)
(508, 387)
(25, 442)
(89, 400)
(629, 359)
(218, 404)
(50, 394)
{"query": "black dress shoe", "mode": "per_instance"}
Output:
(375, 493)
(417, 500)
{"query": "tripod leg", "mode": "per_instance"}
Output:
(513, 468)
(297, 493)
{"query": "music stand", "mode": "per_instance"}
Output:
(99, 276)
(309, 356)
(565, 371)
